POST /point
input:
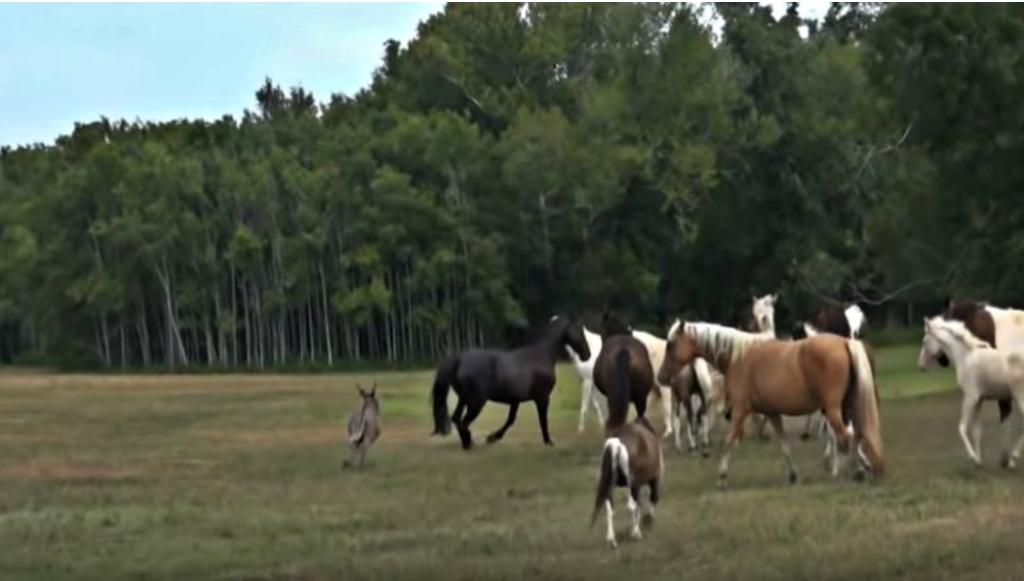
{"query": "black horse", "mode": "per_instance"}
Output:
(508, 377)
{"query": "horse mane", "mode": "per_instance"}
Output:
(717, 342)
(959, 332)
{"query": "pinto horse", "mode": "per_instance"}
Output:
(508, 377)
(632, 455)
(793, 378)
(999, 327)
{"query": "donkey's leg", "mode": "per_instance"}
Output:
(513, 409)
(967, 407)
(634, 510)
(780, 433)
(542, 415)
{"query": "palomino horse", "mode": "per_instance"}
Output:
(792, 378)
(363, 427)
(983, 373)
(999, 327)
(632, 455)
(508, 377)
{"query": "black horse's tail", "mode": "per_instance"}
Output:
(443, 378)
(618, 400)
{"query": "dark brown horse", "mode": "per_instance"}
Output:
(979, 321)
(508, 377)
(632, 456)
(622, 353)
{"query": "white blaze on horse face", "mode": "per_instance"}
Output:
(855, 318)
(764, 313)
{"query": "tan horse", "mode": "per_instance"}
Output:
(786, 378)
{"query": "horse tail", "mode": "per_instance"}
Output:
(866, 419)
(618, 399)
(611, 465)
(443, 378)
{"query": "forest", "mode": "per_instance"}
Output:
(518, 160)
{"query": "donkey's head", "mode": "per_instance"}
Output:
(369, 397)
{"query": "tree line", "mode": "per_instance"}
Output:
(517, 160)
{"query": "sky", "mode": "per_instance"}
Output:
(62, 63)
(76, 62)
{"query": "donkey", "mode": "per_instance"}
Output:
(363, 427)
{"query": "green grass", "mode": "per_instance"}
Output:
(236, 477)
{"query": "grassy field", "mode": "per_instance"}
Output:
(237, 477)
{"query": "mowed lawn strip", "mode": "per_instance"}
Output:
(237, 477)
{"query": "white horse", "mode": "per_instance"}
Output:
(589, 397)
(982, 372)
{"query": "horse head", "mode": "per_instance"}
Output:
(570, 332)
(680, 350)
(931, 349)
(612, 324)
(763, 313)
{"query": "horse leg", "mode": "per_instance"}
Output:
(634, 511)
(610, 536)
(967, 407)
(975, 428)
(586, 400)
(666, 403)
(542, 415)
(655, 495)
(1011, 461)
(704, 424)
(596, 400)
(807, 426)
(513, 409)
(473, 409)
(460, 409)
(685, 407)
(841, 443)
(780, 433)
(739, 415)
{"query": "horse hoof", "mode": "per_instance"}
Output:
(549, 443)
(492, 438)
(805, 437)
(794, 478)
(612, 544)
(647, 521)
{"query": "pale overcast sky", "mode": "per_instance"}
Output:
(62, 63)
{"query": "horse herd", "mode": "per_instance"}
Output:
(704, 370)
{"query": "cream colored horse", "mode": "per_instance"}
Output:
(982, 372)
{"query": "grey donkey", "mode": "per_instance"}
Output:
(363, 427)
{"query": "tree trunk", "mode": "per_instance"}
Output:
(326, 313)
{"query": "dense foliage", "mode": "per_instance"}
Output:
(517, 160)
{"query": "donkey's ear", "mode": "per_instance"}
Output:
(360, 389)
(373, 390)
